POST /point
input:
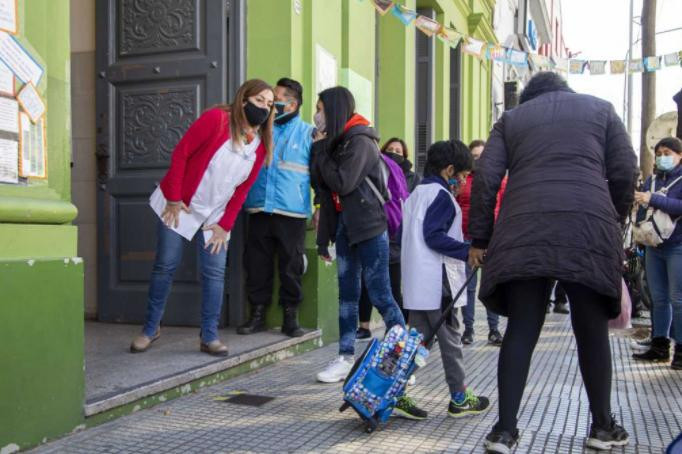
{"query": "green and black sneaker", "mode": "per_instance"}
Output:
(471, 405)
(406, 408)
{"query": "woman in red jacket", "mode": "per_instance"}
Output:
(212, 169)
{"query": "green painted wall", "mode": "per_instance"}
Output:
(282, 41)
(41, 279)
(396, 79)
(41, 350)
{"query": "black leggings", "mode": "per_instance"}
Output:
(527, 301)
(365, 311)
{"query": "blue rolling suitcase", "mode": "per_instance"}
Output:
(378, 377)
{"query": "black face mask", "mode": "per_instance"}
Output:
(281, 119)
(255, 115)
(397, 158)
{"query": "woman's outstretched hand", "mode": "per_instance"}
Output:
(218, 240)
(171, 214)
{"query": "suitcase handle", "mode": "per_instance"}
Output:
(450, 307)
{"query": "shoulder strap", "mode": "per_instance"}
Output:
(385, 173)
(375, 190)
(667, 187)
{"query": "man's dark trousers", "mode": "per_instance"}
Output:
(271, 235)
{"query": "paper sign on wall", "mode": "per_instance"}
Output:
(6, 80)
(32, 148)
(325, 70)
(22, 64)
(9, 161)
(31, 102)
(8, 16)
(9, 115)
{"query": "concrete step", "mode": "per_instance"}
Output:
(120, 383)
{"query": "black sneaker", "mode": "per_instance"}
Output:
(363, 333)
(495, 338)
(472, 405)
(406, 408)
(677, 358)
(561, 307)
(605, 438)
(501, 442)
(468, 337)
(659, 351)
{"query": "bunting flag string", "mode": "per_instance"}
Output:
(496, 52)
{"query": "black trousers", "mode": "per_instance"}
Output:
(271, 235)
(527, 301)
(365, 308)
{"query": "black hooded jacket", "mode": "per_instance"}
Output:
(342, 168)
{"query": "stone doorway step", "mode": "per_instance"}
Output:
(118, 382)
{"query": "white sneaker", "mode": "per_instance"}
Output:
(337, 370)
(412, 381)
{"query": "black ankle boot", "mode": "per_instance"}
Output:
(658, 352)
(677, 358)
(290, 324)
(256, 323)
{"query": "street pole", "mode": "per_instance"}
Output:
(629, 77)
(646, 157)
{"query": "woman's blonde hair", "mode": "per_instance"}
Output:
(238, 121)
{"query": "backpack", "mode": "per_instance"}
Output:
(657, 225)
(395, 182)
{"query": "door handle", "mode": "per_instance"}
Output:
(102, 155)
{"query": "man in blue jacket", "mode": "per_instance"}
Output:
(278, 206)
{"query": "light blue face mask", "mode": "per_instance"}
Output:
(279, 106)
(665, 163)
(453, 181)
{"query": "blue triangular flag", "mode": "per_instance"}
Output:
(406, 16)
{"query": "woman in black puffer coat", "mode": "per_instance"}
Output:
(572, 174)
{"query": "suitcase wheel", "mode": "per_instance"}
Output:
(371, 425)
(344, 407)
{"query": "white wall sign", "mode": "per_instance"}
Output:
(6, 80)
(325, 69)
(9, 115)
(8, 16)
(22, 64)
(31, 102)
(32, 148)
(9, 161)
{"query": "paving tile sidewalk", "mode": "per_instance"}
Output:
(304, 416)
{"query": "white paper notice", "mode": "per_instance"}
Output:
(32, 148)
(18, 60)
(8, 15)
(31, 102)
(9, 115)
(9, 161)
(6, 80)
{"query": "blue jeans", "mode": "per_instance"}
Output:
(664, 275)
(469, 310)
(168, 257)
(369, 260)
